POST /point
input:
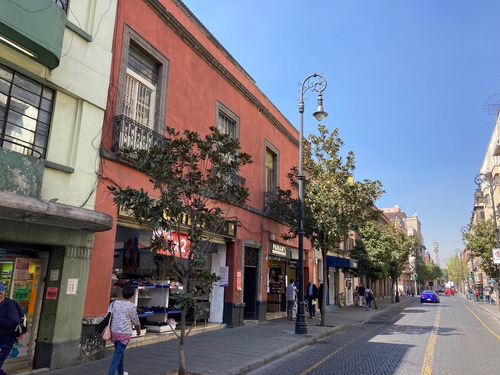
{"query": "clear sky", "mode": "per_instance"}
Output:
(408, 84)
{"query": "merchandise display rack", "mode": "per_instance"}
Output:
(148, 296)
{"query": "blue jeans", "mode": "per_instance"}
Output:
(117, 363)
(368, 302)
(6, 344)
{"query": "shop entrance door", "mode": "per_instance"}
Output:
(250, 283)
(22, 278)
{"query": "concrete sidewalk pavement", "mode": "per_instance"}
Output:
(230, 350)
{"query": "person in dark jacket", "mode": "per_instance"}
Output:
(312, 294)
(9, 319)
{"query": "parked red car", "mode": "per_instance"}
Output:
(449, 291)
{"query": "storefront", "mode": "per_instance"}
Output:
(340, 279)
(282, 266)
(135, 264)
(22, 270)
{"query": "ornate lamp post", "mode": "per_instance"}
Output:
(314, 82)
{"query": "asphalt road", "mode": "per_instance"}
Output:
(452, 337)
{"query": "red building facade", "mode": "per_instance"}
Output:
(168, 69)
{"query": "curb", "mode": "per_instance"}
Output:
(258, 363)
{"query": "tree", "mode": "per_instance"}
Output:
(333, 201)
(456, 267)
(479, 238)
(382, 251)
(427, 271)
(193, 188)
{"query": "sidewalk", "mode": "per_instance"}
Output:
(231, 351)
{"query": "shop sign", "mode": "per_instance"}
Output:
(238, 280)
(292, 264)
(496, 256)
(179, 242)
(224, 275)
(51, 292)
(278, 249)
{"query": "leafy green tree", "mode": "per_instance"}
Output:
(427, 271)
(456, 269)
(193, 188)
(333, 202)
(383, 251)
(372, 250)
(480, 240)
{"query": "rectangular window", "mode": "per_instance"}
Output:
(140, 90)
(271, 177)
(25, 113)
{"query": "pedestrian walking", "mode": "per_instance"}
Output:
(355, 297)
(123, 316)
(477, 296)
(312, 295)
(469, 295)
(290, 299)
(368, 298)
(361, 294)
(487, 296)
(9, 319)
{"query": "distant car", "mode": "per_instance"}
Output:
(429, 296)
(449, 291)
(440, 289)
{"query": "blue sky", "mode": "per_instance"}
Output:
(408, 82)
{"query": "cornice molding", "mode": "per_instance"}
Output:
(201, 51)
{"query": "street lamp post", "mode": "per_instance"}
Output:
(479, 179)
(314, 82)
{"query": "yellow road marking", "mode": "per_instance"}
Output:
(336, 351)
(429, 353)
(480, 321)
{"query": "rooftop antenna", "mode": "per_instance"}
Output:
(492, 104)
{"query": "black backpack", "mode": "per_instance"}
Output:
(21, 328)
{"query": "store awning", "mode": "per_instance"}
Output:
(338, 262)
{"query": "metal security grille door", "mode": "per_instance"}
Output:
(250, 282)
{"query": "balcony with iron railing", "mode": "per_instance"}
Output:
(269, 198)
(128, 133)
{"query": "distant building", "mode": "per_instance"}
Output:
(435, 249)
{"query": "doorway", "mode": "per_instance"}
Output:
(250, 283)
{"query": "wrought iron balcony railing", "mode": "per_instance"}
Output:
(128, 133)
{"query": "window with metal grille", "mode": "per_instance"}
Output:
(25, 113)
(140, 90)
(226, 124)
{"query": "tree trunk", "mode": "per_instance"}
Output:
(323, 292)
(397, 291)
(182, 340)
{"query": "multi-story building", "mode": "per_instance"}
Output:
(54, 77)
(169, 70)
(486, 201)
(410, 226)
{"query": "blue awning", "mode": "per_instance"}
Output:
(338, 262)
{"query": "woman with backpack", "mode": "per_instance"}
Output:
(368, 298)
